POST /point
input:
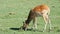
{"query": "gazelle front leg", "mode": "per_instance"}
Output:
(50, 26)
(34, 23)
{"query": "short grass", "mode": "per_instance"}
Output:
(20, 10)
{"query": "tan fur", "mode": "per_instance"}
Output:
(40, 10)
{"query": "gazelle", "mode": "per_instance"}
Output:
(40, 10)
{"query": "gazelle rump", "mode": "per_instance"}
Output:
(40, 10)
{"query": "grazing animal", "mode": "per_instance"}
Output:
(40, 10)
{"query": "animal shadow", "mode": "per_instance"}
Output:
(14, 28)
(20, 29)
(29, 29)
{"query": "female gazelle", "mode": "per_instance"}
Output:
(40, 10)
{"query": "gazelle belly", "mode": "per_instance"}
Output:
(40, 13)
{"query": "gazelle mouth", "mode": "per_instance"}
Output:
(23, 28)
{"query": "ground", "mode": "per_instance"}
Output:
(14, 12)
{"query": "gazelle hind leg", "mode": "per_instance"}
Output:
(50, 26)
(45, 17)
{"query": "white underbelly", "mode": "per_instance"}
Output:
(38, 13)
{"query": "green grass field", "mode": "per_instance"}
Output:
(20, 10)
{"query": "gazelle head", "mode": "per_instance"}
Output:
(24, 27)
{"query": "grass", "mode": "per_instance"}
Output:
(20, 10)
